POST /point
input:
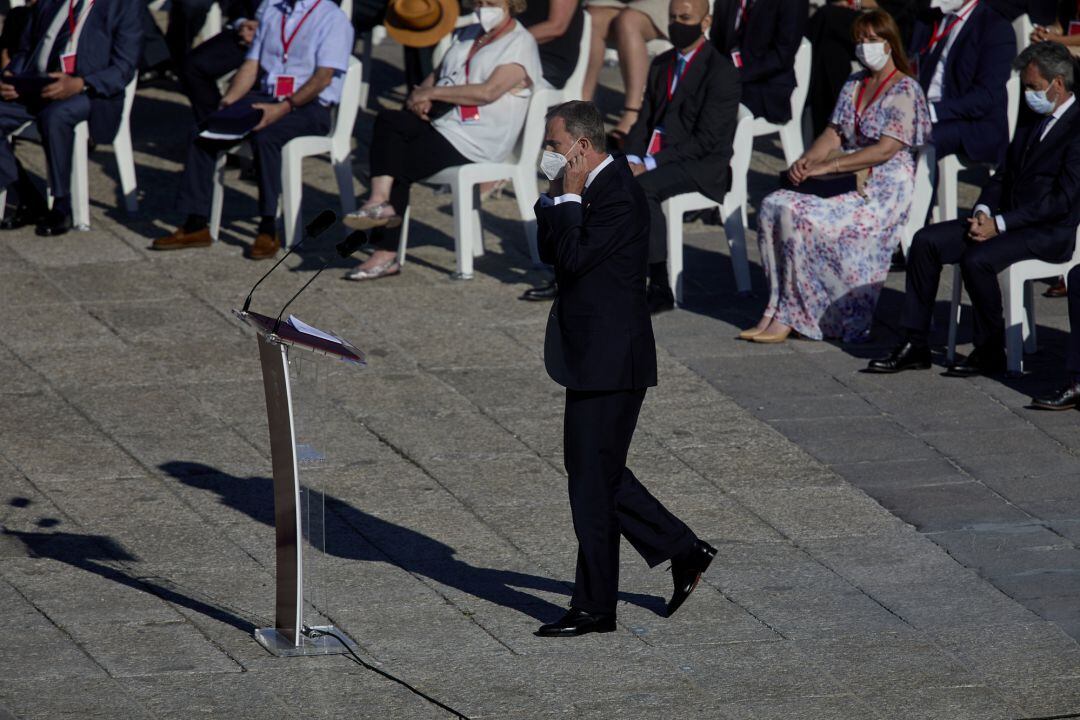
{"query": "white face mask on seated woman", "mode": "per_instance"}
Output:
(872, 55)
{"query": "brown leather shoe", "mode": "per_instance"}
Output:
(265, 247)
(180, 240)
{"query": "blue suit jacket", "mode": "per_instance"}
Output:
(976, 70)
(108, 54)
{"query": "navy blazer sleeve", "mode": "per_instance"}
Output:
(789, 30)
(123, 55)
(1057, 205)
(21, 56)
(575, 245)
(996, 49)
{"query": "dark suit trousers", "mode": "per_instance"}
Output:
(186, 18)
(56, 123)
(1072, 363)
(202, 68)
(660, 184)
(946, 244)
(606, 500)
(266, 145)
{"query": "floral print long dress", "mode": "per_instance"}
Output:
(826, 258)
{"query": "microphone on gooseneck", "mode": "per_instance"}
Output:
(345, 248)
(322, 222)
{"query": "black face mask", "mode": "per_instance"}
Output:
(682, 35)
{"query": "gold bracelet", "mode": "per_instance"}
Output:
(837, 164)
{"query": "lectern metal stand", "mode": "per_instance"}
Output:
(287, 637)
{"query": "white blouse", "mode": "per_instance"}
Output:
(491, 136)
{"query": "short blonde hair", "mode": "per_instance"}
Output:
(516, 6)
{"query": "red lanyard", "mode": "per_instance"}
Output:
(477, 45)
(862, 89)
(286, 44)
(935, 36)
(74, 24)
(744, 13)
(671, 71)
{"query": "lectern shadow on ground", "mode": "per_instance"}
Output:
(297, 361)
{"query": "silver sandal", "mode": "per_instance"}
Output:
(386, 269)
(372, 217)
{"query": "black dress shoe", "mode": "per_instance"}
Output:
(904, 357)
(686, 571)
(24, 215)
(979, 362)
(578, 622)
(541, 292)
(660, 299)
(1065, 399)
(54, 223)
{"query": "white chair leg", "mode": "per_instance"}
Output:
(954, 312)
(477, 227)
(1031, 343)
(343, 173)
(674, 218)
(3, 203)
(80, 181)
(292, 190)
(526, 191)
(1014, 324)
(403, 241)
(791, 140)
(217, 196)
(463, 229)
(125, 165)
(947, 181)
(735, 233)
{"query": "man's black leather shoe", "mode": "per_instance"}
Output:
(541, 292)
(578, 622)
(904, 357)
(54, 223)
(1065, 399)
(979, 362)
(23, 216)
(660, 299)
(687, 570)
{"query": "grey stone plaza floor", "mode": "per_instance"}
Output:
(889, 548)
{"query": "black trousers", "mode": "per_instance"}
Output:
(204, 66)
(186, 18)
(407, 149)
(660, 184)
(266, 145)
(56, 123)
(606, 500)
(980, 262)
(1072, 362)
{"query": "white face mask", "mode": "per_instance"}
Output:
(552, 164)
(490, 17)
(947, 6)
(872, 55)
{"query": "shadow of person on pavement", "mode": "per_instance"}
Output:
(357, 535)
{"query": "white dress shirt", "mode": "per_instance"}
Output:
(934, 93)
(574, 197)
(999, 220)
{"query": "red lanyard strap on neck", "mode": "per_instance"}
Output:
(287, 43)
(478, 45)
(862, 89)
(936, 37)
(671, 70)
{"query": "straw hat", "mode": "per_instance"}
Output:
(420, 23)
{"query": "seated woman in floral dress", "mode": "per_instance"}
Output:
(826, 258)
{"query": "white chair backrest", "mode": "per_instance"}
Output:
(925, 165)
(532, 134)
(1012, 92)
(1023, 27)
(341, 134)
(346, 7)
(802, 78)
(576, 82)
(1076, 249)
(743, 149)
(444, 43)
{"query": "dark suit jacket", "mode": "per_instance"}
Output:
(774, 29)
(976, 70)
(599, 333)
(108, 53)
(699, 122)
(1039, 186)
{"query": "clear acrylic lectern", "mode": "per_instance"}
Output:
(293, 378)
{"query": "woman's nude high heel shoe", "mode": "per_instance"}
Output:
(771, 338)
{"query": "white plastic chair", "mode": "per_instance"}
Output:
(372, 38)
(464, 182)
(1018, 301)
(1023, 27)
(732, 210)
(338, 144)
(80, 182)
(213, 23)
(791, 132)
(949, 167)
(920, 201)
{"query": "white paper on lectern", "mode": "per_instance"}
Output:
(303, 327)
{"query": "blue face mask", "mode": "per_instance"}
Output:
(1038, 102)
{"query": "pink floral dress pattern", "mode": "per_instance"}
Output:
(826, 258)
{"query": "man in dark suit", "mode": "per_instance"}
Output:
(592, 227)
(1068, 397)
(961, 50)
(761, 37)
(1029, 209)
(90, 69)
(200, 69)
(682, 139)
